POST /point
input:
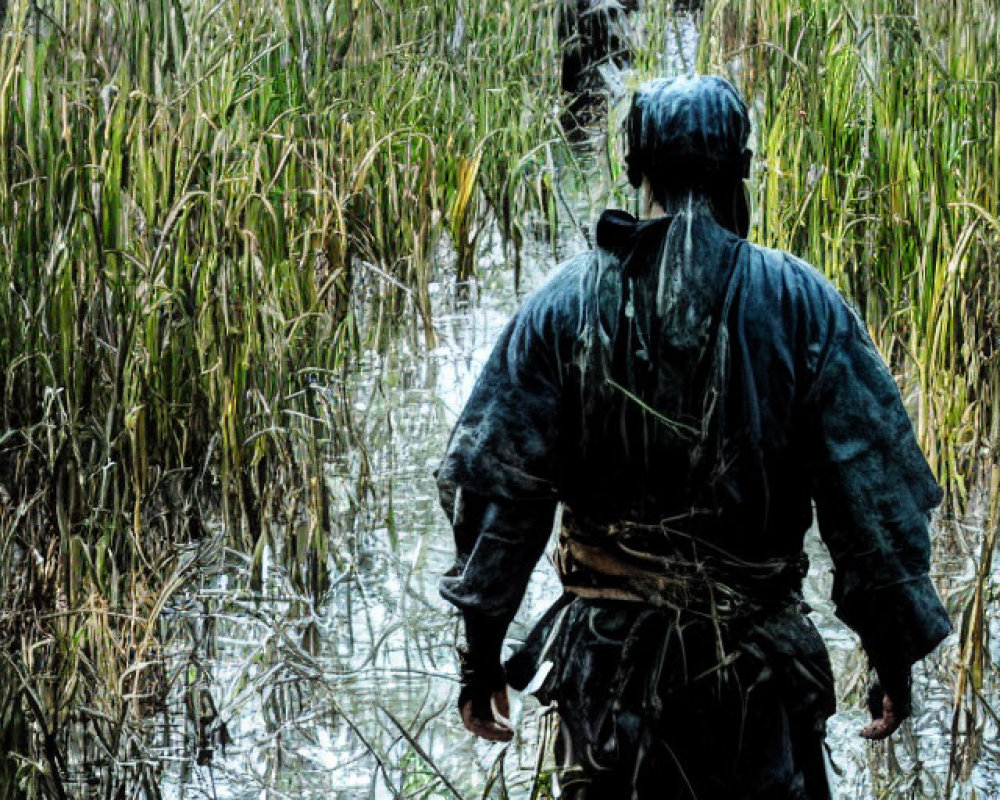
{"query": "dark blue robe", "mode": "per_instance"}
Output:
(679, 373)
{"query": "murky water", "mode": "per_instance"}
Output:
(354, 697)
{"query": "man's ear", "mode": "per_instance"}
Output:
(646, 198)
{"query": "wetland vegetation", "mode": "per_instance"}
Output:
(252, 254)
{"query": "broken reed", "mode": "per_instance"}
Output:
(878, 125)
(207, 210)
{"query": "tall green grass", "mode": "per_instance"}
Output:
(207, 212)
(878, 125)
(209, 209)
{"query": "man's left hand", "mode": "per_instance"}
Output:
(491, 722)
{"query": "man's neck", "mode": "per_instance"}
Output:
(674, 204)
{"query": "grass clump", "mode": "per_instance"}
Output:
(203, 208)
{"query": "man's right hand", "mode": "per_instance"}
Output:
(888, 710)
(488, 720)
(886, 723)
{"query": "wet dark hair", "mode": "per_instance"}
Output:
(688, 133)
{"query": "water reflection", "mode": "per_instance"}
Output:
(276, 696)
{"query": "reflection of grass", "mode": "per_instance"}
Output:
(193, 197)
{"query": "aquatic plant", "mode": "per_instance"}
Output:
(207, 213)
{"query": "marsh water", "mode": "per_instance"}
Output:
(352, 695)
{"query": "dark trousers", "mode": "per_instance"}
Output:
(660, 704)
(704, 753)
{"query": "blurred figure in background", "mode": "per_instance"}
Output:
(594, 36)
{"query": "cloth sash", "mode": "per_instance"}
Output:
(662, 566)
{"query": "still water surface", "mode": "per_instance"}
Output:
(353, 696)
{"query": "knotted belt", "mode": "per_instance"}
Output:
(662, 566)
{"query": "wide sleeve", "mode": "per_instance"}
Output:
(498, 482)
(498, 478)
(874, 494)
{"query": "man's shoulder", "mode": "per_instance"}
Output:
(564, 288)
(569, 273)
(789, 266)
(799, 279)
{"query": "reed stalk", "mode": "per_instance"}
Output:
(202, 208)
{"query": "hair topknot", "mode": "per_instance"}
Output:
(687, 130)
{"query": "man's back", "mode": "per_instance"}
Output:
(687, 396)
